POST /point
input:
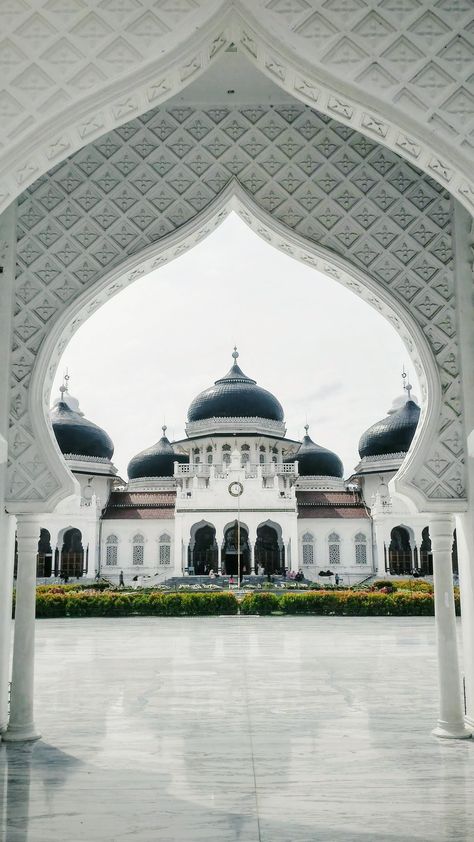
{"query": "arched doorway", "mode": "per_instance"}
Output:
(44, 559)
(426, 557)
(399, 553)
(230, 561)
(72, 555)
(269, 550)
(203, 555)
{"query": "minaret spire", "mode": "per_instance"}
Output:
(65, 384)
(406, 383)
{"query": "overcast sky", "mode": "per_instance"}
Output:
(326, 355)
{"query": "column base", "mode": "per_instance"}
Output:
(21, 734)
(456, 731)
(469, 723)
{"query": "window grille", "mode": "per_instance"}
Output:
(308, 554)
(360, 548)
(308, 548)
(111, 555)
(334, 542)
(164, 553)
(111, 551)
(138, 552)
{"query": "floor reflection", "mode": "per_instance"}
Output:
(237, 730)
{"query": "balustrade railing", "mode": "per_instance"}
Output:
(221, 471)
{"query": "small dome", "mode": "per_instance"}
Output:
(393, 434)
(235, 396)
(157, 461)
(76, 435)
(316, 461)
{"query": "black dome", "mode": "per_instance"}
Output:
(157, 461)
(316, 461)
(235, 396)
(78, 436)
(393, 434)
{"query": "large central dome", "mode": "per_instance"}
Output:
(235, 396)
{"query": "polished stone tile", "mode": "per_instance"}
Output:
(237, 730)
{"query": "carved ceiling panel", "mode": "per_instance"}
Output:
(333, 186)
(72, 69)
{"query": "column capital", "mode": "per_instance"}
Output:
(441, 532)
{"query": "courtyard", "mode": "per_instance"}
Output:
(237, 729)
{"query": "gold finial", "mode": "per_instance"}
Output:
(235, 354)
(306, 426)
(164, 428)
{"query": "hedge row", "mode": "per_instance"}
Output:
(61, 603)
(117, 604)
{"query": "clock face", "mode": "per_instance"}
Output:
(236, 489)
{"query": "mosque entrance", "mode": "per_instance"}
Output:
(230, 551)
(44, 559)
(72, 555)
(204, 553)
(269, 552)
(400, 561)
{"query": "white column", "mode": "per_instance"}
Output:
(7, 277)
(219, 558)
(451, 714)
(465, 543)
(7, 541)
(380, 544)
(465, 522)
(21, 726)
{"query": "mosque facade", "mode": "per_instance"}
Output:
(178, 513)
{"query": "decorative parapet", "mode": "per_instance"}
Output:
(210, 426)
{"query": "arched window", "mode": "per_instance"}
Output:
(262, 455)
(209, 454)
(164, 551)
(138, 548)
(111, 550)
(245, 459)
(308, 548)
(226, 454)
(360, 548)
(334, 543)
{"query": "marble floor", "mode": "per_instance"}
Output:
(237, 729)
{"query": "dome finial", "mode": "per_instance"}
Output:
(306, 426)
(406, 383)
(65, 384)
(235, 354)
(164, 428)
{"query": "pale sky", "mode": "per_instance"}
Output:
(327, 356)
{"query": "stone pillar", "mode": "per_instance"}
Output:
(21, 726)
(379, 561)
(463, 240)
(219, 557)
(7, 278)
(451, 714)
(7, 541)
(465, 542)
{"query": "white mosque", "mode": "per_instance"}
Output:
(178, 513)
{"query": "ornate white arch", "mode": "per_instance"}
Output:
(409, 74)
(58, 481)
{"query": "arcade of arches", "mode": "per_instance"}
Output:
(367, 181)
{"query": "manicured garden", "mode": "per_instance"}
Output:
(408, 597)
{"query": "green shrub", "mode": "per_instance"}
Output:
(51, 605)
(260, 603)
